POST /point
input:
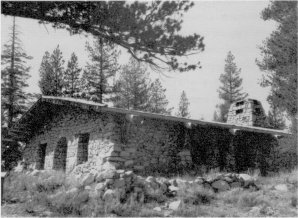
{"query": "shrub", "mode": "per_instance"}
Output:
(232, 196)
(252, 199)
(195, 194)
(189, 211)
(50, 183)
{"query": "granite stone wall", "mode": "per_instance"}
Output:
(123, 141)
(247, 112)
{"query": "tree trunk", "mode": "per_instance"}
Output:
(101, 72)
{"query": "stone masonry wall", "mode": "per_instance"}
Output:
(138, 144)
(247, 112)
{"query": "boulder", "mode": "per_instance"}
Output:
(119, 183)
(128, 173)
(128, 163)
(88, 179)
(175, 205)
(88, 187)
(158, 209)
(199, 180)
(228, 179)
(173, 188)
(235, 184)
(207, 185)
(220, 185)
(109, 174)
(111, 196)
(150, 179)
(173, 182)
(281, 187)
(72, 191)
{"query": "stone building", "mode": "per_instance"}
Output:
(62, 133)
(247, 112)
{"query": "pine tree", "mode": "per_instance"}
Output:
(183, 106)
(51, 73)
(46, 83)
(158, 102)
(149, 30)
(14, 75)
(14, 100)
(71, 76)
(133, 87)
(103, 66)
(231, 89)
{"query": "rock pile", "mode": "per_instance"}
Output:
(223, 182)
(114, 186)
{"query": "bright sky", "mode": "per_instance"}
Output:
(233, 26)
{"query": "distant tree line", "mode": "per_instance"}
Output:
(103, 80)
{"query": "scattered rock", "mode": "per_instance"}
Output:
(173, 188)
(281, 187)
(119, 183)
(111, 196)
(235, 184)
(245, 177)
(220, 185)
(175, 205)
(72, 191)
(88, 187)
(199, 180)
(100, 186)
(109, 174)
(88, 179)
(157, 209)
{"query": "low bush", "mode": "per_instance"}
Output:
(252, 199)
(195, 194)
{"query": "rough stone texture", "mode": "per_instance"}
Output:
(220, 185)
(247, 112)
(175, 205)
(281, 187)
(111, 138)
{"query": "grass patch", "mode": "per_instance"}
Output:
(195, 194)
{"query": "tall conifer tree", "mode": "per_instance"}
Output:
(231, 89)
(133, 87)
(103, 66)
(14, 75)
(183, 106)
(51, 73)
(157, 101)
(71, 76)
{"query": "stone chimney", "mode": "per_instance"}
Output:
(247, 112)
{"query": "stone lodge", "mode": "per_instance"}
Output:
(61, 133)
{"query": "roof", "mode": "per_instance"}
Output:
(45, 106)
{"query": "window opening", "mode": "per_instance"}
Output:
(239, 111)
(256, 102)
(60, 154)
(258, 111)
(41, 155)
(239, 103)
(82, 155)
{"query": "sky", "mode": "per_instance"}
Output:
(234, 26)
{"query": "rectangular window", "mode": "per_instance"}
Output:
(239, 111)
(239, 103)
(82, 155)
(256, 102)
(41, 155)
(258, 111)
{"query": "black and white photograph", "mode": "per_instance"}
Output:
(149, 108)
